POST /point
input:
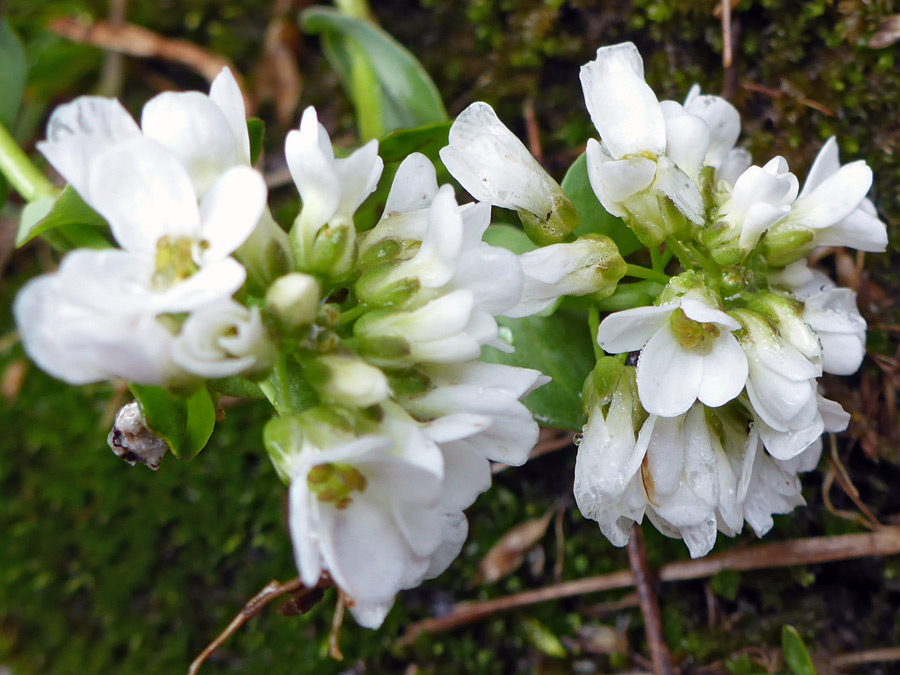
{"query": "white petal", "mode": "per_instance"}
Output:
(467, 474)
(630, 329)
(735, 163)
(230, 211)
(665, 452)
(621, 104)
(212, 282)
(226, 94)
(358, 175)
(196, 131)
(826, 164)
(80, 131)
(303, 535)
(687, 138)
(835, 198)
(619, 179)
(312, 167)
(724, 122)
(668, 376)
(859, 230)
(414, 187)
(724, 372)
(454, 530)
(144, 193)
(698, 310)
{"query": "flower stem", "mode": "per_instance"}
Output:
(656, 259)
(352, 314)
(644, 273)
(594, 323)
(21, 172)
(277, 387)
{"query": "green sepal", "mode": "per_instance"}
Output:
(66, 222)
(256, 128)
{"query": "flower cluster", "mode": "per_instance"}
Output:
(367, 344)
(721, 410)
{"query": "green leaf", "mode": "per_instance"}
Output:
(538, 342)
(592, 216)
(257, 130)
(388, 86)
(511, 238)
(13, 72)
(543, 639)
(66, 222)
(428, 140)
(184, 424)
(237, 387)
(795, 655)
(201, 420)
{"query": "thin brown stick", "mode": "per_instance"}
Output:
(127, 38)
(847, 485)
(637, 556)
(337, 620)
(531, 129)
(274, 589)
(868, 656)
(727, 59)
(764, 556)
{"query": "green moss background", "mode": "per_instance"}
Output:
(106, 568)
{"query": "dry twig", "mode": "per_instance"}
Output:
(727, 58)
(637, 556)
(852, 659)
(127, 38)
(271, 591)
(531, 129)
(778, 93)
(808, 551)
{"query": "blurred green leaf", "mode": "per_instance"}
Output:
(257, 130)
(536, 340)
(185, 424)
(592, 216)
(511, 238)
(393, 149)
(795, 655)
(388, 86)
(543, 639)
(238, 387)
(13, 72)
(66, 222)
(428, 140)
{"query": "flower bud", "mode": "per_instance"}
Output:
(599, 386)
(591, 264)
(293, 300)
(787, 316)
(286, 438)
(347, 379)
(380, 287)
(334, 251)
(788, 243)
(494, 166)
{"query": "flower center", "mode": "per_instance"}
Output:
(335, 483)
(174, 260)
(692, 334)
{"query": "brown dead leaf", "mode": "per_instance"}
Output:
(12, 379)
(599, 639)
(887, 34)
(511, 549)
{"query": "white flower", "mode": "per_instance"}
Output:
(495, 167)
(643, 149)
(770, 489)
(223, 339)
(490, 391)
(150, 202)
(367, 510)
(587, 265)
(760, 198)
(331, 189)
(833, 203)
(832, 314)
(89, 321)
(688, 353)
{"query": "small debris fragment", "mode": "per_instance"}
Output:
(131, 440)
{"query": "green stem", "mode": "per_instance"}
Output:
(667, 255)
(21, 172)
(358, 9)
(352, 314)
(639, 272)
(277, 387)
(656, 259)
(594, 323)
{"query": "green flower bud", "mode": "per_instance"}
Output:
(347, 379)
(293, 300)
(266, 254)
(553, 226)
(784, 244)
